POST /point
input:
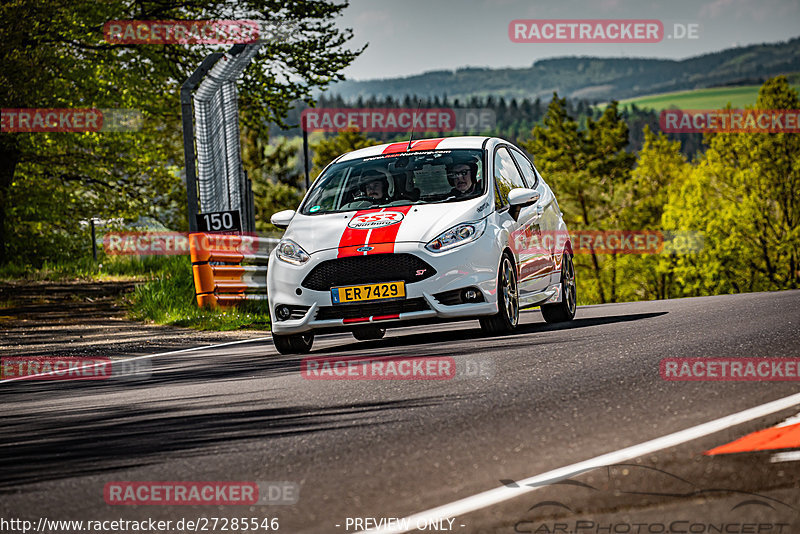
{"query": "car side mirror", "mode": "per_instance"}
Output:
(282, 218)
(519, 198)
(522, 196)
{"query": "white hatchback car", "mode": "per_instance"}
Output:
(407, 233)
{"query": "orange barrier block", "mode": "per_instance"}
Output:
(199, 249)
(227, 285)
(228, 272)
(779, 437)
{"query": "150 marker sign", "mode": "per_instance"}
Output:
(219, 221)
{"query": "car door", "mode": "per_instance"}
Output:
(553, 222)
(533, 261)
(545, 234)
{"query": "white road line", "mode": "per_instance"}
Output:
(146, 356)
(504, 493)
(793, 420)
(790, 456)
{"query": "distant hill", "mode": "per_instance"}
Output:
(591, 78)
(716, 97)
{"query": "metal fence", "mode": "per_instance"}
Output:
(215, 178)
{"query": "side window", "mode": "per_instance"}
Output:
(527, 168)
(506, 176)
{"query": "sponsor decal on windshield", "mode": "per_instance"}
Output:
(416, 153)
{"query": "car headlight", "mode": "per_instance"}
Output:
(291, 252)
(458, 235)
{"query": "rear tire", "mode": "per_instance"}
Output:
(563, 311)
(293, 344)
(507, 316)
(369, 333)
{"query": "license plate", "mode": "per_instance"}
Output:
(384, 290)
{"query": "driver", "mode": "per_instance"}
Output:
(375, 186)
(462, 175)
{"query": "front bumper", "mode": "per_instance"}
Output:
(471, 265)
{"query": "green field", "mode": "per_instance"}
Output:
(714, 98)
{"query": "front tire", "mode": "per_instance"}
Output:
(507, 317)
(563, 311)
(293, 344)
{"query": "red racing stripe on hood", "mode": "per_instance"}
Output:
(354, 236)
(383, 237)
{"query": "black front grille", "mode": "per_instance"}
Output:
(358, 311)
(368, 269)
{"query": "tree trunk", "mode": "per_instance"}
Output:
(9, 157)
(595, 263)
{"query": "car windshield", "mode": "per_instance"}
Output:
(400, 179)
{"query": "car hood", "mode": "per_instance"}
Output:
(381, 226)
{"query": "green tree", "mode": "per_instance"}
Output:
(54, 56)
(276, 174)
(744, 196)
(659, 164)
(326, 150)
(585, 167)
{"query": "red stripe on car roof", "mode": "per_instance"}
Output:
(424, 144)
(394, 148)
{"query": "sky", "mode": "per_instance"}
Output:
(409, 37)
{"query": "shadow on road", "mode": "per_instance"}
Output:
(592, 321)
(441, 338)
(46, 441)
(57, 444)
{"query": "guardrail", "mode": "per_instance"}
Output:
(220, 279)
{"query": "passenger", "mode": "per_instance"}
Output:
(462, 175)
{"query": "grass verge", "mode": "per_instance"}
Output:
(165, 296)
(85, 268)
(168, 298)
(711, 98)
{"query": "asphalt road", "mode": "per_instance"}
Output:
(547, 397)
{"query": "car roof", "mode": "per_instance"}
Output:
(437, 143)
